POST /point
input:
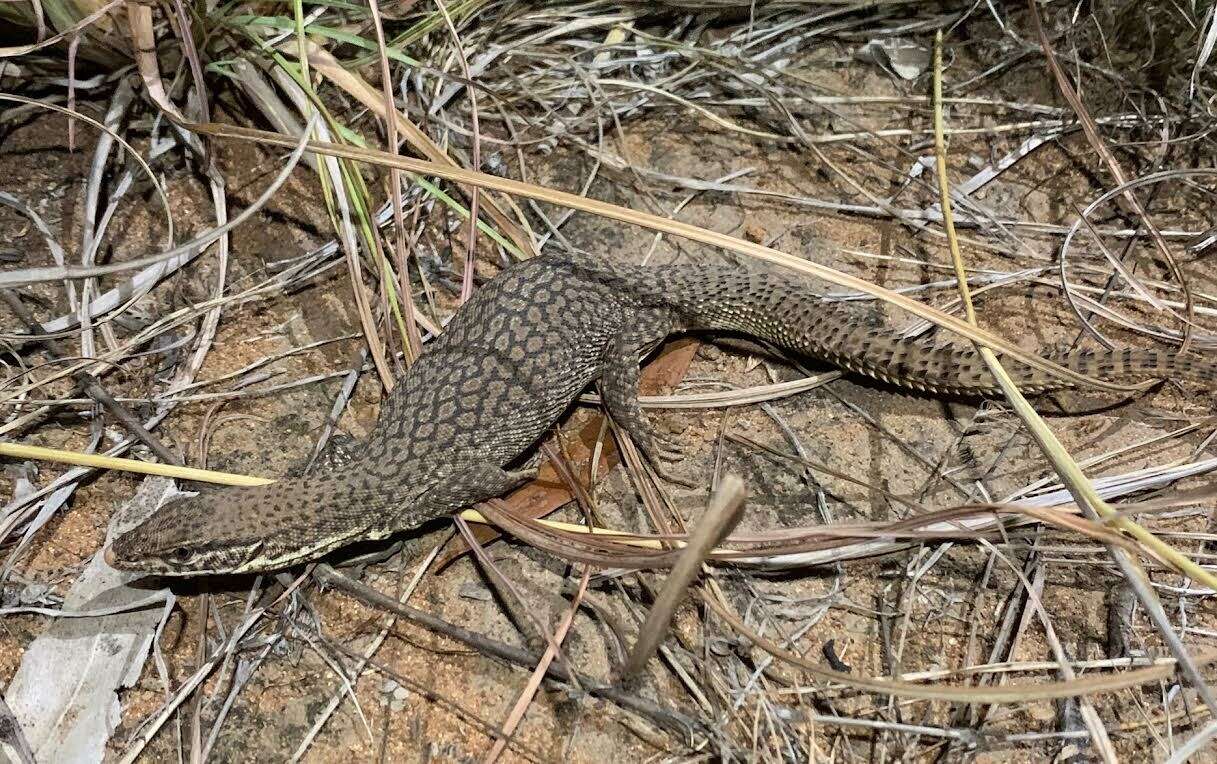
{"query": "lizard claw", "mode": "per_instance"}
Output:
(658, 453)
(521, 476)
(666, 451)
(661, 472)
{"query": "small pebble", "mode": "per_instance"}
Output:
(33, 593)
(721, 647)
(472, 591)
(754, 233)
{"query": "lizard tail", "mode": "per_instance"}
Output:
(779, 311)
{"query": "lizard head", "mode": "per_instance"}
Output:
(242, 530)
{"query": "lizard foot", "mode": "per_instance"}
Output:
(519, 477)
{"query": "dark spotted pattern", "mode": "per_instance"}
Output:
(507, 366)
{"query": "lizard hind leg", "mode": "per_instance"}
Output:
(619, 374)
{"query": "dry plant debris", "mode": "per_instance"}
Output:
(226, 228)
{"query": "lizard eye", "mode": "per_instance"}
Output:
(180, 555)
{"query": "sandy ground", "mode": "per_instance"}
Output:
(900, 442)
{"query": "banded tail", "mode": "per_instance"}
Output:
(780, 311)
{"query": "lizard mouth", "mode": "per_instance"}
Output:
(117, 559)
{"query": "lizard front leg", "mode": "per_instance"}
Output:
(470, 483)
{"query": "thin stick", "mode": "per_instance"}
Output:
(22, 451)
(724, 513)
(458, 50)
(1090, 129)
(534, 681)
(89, 384)
(1075, 479)
(413, 343)
(670, 719)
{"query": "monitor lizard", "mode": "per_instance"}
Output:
(508, 365)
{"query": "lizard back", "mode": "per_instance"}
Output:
(510, 363)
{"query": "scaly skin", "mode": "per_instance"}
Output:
(511, 362)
